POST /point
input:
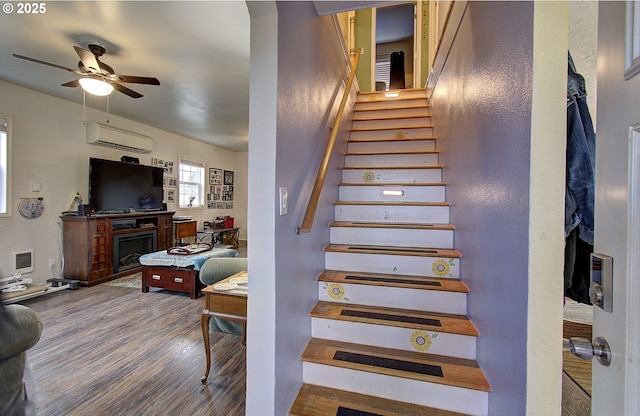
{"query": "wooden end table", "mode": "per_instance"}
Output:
(230, 305)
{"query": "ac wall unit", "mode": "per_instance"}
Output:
(104, 135)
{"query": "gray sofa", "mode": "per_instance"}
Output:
(214, 270)
(20, 329)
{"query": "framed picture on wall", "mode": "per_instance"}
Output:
(215, 176)
(171, 196)
(228, 177)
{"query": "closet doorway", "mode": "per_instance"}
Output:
(397, 46)
(578, 313)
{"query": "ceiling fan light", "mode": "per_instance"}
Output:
(96, 86)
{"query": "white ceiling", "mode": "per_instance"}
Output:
(198, 50)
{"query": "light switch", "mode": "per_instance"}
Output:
(35, 186)
(284, 201)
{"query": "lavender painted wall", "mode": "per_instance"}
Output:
(482, 114)
(310, 72)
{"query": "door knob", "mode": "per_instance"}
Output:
(583, 348)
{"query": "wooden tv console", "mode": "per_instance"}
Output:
(88, 242)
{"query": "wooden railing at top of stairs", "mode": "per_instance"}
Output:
(314, 199)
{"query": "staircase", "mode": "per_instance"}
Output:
(390, 332)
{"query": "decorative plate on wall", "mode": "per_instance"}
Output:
(31, 207)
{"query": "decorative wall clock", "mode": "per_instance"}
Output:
(31, 207)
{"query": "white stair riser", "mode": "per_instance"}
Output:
(422, 111)
(393, 123)
(402, 237)
(388, 105)
(433, 193)
(409, 159)
(392, 264)
(393, 134)
(432, 342)
(364, 175)
(393, 214)
(394, 297)
(392, 146)
(455, 399)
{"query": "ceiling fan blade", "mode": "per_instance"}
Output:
(47, 63)
(125, 90)
(88, 59)
(74, 83)
(138, 80)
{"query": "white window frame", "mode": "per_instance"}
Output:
(5, 167)
(182, 196)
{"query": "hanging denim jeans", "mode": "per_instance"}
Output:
(581, 146)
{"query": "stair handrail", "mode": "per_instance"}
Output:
(314, 198)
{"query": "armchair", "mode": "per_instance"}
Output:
(20, 329)
(214, 270)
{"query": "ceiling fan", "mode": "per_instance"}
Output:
(92, 70)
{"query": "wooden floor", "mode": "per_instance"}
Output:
(576, 376)
(117, 351)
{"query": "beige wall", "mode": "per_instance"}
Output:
(49, 147)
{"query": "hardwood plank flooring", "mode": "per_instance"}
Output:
(110, 350)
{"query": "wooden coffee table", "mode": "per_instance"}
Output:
(226, 304)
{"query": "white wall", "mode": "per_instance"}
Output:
(49, 147)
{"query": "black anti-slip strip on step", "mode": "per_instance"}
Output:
(402, 250)
(345, 411)
(390, 363)
(391, 280)
(390, 317)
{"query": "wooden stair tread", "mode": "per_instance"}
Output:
(365, 129)
(395, 317)
(388, 114)
(390, 167)
(394, 280)
(386, 152)
(399, 225)
(394, 203)
(390, 250)
(322, 401)
(386, 184)
(389, 118)
(406, 139)
(450, 371)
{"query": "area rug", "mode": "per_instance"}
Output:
(133, 281)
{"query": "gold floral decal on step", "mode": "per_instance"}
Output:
(401, 135)
(421, 340)
(336, 291)
(442, 268)
(368, 177)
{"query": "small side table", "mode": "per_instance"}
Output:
(230, 305)
(184, 229)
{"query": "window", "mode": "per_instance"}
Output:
(383, 72)
(5, 167)
(191, 184)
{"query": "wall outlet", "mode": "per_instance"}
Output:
(52, 262)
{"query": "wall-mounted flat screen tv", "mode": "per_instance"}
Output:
(116, 186)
